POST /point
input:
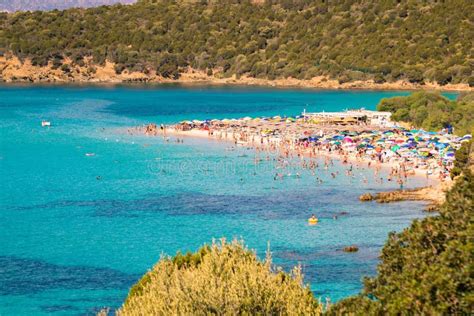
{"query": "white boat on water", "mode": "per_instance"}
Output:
(45, 123)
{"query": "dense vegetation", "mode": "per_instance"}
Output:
(221, 279)
(432, 112)
(463, 158)
(347, 40)
(30, 5)
(428, 268)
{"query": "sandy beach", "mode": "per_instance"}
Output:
(399, 152)
(171, 131)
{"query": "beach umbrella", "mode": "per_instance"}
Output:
(348, 140)
(424, 152)
(395, 148)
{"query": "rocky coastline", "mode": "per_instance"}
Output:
(12, 70)
(434, 195)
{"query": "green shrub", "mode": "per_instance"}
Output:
(221, 279)
(463, 158)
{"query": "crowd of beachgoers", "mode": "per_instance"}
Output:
(405, 152)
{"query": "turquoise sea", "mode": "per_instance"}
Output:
(77, 231)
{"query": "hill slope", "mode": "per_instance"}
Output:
(348, 40)
(31, 5)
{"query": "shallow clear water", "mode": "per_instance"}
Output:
(77, 231)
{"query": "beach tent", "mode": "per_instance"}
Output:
(348, 140)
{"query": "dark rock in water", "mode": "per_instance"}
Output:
(366, 197)
(351, 249)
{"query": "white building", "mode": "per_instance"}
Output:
(376, 118)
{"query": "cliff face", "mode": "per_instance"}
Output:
(32, 5)
(14, 70)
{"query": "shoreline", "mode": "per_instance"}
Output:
(261, 83)
(13, 71)
(433, 193)
(323, 154)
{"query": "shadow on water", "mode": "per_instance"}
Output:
(283, 205)
(20, 276)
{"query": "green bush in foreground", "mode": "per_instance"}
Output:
(428, 268)
(221, 279)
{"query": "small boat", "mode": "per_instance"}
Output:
(90, 154)
(45, 123)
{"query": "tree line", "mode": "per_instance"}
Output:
(432, 111)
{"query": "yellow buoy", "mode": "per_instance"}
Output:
(313, 220)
